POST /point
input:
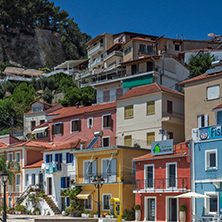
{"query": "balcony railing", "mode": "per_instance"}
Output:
(114, 53)
(93, 49)
(163, 184)
(173, 114)
(96, 61)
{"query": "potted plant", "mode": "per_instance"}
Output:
(96, 214)
(122, 179)
(86, 212)
(137, 212)
(72, 181)
(182, 210)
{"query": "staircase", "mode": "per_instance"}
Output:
(52, 205)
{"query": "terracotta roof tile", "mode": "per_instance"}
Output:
(142, 39)
(44, 103)
(201, 77)
(180, 149)
(217, 107)
(148, 89)
(37, 164)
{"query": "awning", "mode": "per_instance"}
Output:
(39, 130)
(84, 194)
(137, 81)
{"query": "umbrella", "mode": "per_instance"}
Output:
(192, 195)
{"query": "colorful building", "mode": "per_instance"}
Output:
(160, 176)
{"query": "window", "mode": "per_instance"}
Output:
(142, 48)
(149, 66)
(212, 203)
(88, 203)
(57, 128)
(109, 170)
(69, 157)
(213, 92)
(76, 126)
(177, 47)
(18, 157)
(48, 158)
(211, 159)
(26, 179)
(106, 199)
(9, 202)
(89, 170)
(127, 49)
(43, 134)
(202, 120)
(150, 49)
(105, 141)
(58, 160)
(119, 93)
(150, 107)
(150, 138)
(171, 174)
(33, 179)
(65, 182)
(18, 179)
(106, 96)
(169, 106)
(107, 121)
(37, 109)
(134, 69)
(10, 157)
(149, 176)
(42, 121)
(170, 135)
(128, 112)
(128, 141)
(32, 124)
(90, 122)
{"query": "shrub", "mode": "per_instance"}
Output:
(182, 208)
(129, 214)
(137, 207)
(86, 212)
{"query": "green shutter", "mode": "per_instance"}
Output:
(137, 81)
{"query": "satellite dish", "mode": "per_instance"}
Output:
(98, 133)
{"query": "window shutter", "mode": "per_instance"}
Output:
(63, 182)
(71, 157)
(94, 168)
(206, 120)
(72, 124)
(67, 157)
(199, 118)
(105, 162)
(113, 170)
(104, 122)
(47, 158)
(79, 125)
(85, 170)
(109, 121)
(67, 202)
(53, 129)
(68, 181)
(56, 157)
(61, 128)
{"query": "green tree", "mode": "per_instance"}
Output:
(47, 95)
(200, 63)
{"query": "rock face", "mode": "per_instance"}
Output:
(34, 49)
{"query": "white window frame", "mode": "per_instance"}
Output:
(33, 175)
(205, 122)
(207, 152)
(145, 208)
(109, 114)
(145, 176)
(90, 204)
(211, 87)
(88, 122)
(10, 197)
(206, 203)
(9, 154)
(84, 170)
(167, 175)
(18, 185)
(167, 207)
(71, 126)
(26, 181)
(105, 194)
(105, 137)
(16, 153)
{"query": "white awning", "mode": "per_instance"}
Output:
(39, 130)
(84, 194)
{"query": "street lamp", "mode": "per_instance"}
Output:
(4, 176)
(98, 182)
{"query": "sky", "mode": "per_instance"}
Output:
(194, 19)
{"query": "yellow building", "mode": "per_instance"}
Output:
(113, 164)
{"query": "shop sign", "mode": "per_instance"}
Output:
(209, 133)
(161, 147)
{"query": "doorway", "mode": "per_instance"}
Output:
(41, 181)
(49, 186)
(150, 208)
(172, 209)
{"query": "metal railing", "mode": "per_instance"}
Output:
(162, 183)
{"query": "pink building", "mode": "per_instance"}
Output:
(72, 123)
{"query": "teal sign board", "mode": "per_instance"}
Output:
(161, 147)
(209, 133)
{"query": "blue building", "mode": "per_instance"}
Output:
(206, 170)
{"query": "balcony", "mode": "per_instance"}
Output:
(96, 61)
(114, 53)
(95, 49)
(173, 117)
(164, 184)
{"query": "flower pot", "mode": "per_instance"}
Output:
(95, 215)
(137, 215)
(182, 216)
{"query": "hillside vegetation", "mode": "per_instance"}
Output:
(36, 33)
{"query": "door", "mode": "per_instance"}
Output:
(41, 181)
(50, 186)
(149, 66)
(150, 209)
(63, 206)
(172, 210)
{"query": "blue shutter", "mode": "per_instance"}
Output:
(56, 157)
(47, 158)
(60, 158)
(71, 157)
(67, 157)
(63, 182)
(67, 201)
